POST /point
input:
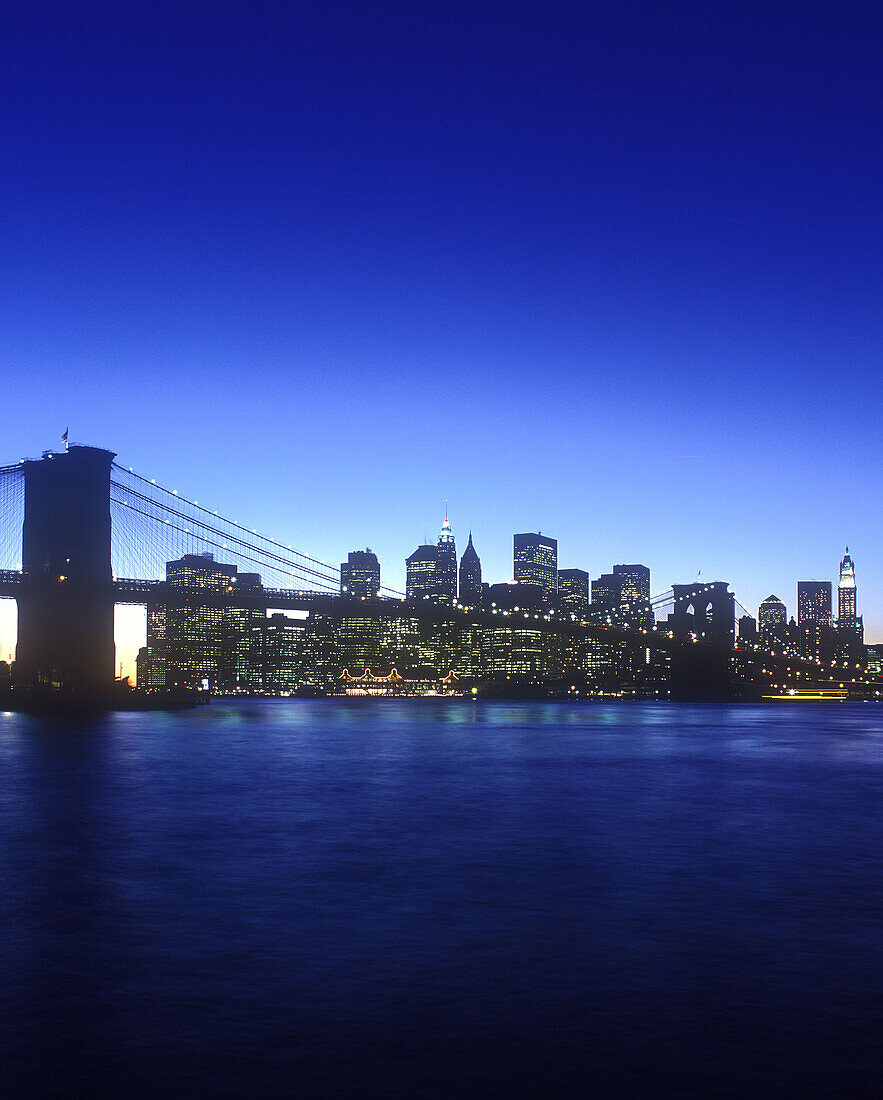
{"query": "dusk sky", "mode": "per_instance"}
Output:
(608, 271)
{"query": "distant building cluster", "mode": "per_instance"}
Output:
(201, 629)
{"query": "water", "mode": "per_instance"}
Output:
(432, 898)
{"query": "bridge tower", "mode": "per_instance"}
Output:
(65, 605)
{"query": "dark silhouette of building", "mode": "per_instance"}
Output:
(747, 630)
(447, 561)
(536, 562)
(573, 590)
(65, 608)
(360, 575)
(606, 598)
(470, 576)
(815, 620)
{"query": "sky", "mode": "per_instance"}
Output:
(607, 271)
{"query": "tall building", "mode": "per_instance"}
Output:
(536, 562)
(573, 590)
(606, 597)
(814, 619)
(421, 573)
(850, 632)
(360, 575)
(470, 576)
(447, 561)
(191, 638)
(771, 617)
(846, 602)
(634, 594)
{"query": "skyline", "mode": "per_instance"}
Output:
(130, 628)
(611, 275)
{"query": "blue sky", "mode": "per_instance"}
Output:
(607, 271)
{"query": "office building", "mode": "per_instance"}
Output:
(847, 610)
(536, 562)
(360, 575)
(573, 590)
(192, 638)
(606, 598)
(634, 594)
(772, 617)
(850, 633)
(814, 619)
(421, 573)
(447, 561)
(470, 576)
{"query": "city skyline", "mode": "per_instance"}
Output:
(131, 622)
(596, 272)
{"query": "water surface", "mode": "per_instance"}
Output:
(433, 897)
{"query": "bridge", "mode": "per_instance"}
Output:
(81, 533)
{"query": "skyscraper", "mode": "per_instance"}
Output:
(421, 573)
(634, 594)
(447, 561)
(846, 601)
(772, 617)
(850, 633)
(470, 575)
(191, 640)
(360, 575)
(814, 619)
(536, 562)
(573, 590)
(606, 596)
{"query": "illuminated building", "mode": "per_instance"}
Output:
(814, 619)
(288, 653)
(846, 606)
(193, 634)
(447, 562)
(850, 633)
(358, 643)
(606, 598)
(360, 575)
(470, 576)
(634, 594)
(772, 617)
(536, 562)
(573, 590)
(421, 573)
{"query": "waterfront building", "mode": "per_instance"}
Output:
(193, 634)
(358, 643)
(289, 659)
(573, 590)
(535, 561)
(360, 575)
(447, 561)
(470, 576)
